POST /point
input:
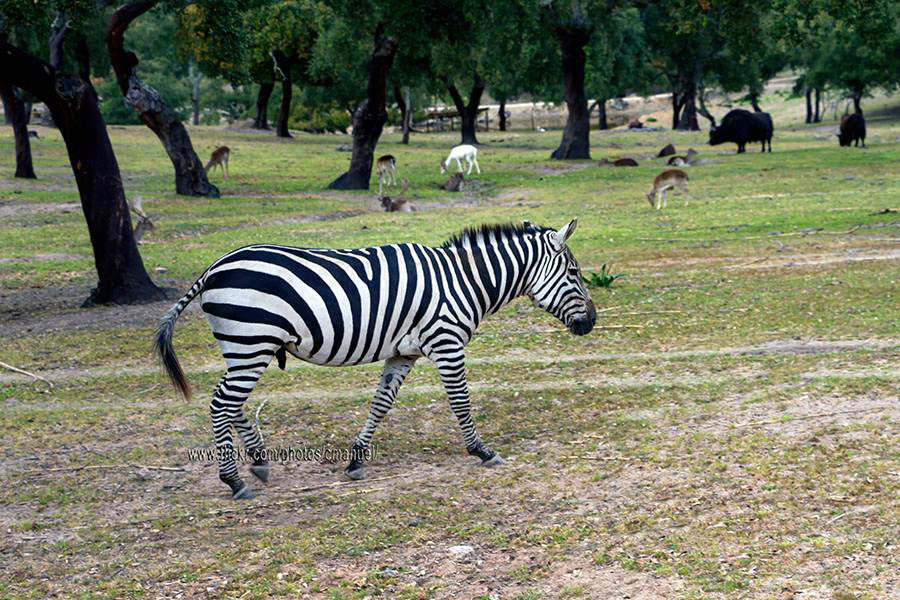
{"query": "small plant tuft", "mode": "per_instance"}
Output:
(603, 278)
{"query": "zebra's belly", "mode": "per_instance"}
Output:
(407, 345)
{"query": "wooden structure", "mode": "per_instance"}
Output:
(443, 120)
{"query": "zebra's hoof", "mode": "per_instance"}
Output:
(355, 474)
(261, 472)
(493, 461)
(245, 493)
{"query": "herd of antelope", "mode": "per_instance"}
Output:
(386, 170)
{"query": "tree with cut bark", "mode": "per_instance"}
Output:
(370, 116)
(848, 47)
(694, 41)
(618, 61)
(151, 108)
(282, 38)
(573, 25)
(73, 104)
(517, 54)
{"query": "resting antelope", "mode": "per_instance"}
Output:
(398, 204)
(219, 157)
(666, 180)
(467, 152)
(386, 168)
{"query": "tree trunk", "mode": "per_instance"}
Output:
(468, 113)
(14, 107)
(195, 77)
(407, 119)
(857, 97)
(575, 142)
(58, 31)
(284, 66)
(152, 110)
(754, 102)
(701, 98)
(73, 103)
(287, 94)
(817, 117)
(602, 123)
(809, 113)
(262, 105)
(688, 119)
(502, 115)
(404, 112)
(83, 57)
(676, 109)
(369, 118)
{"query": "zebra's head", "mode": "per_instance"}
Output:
(557, 286)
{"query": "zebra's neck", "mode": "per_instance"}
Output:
(494, 271)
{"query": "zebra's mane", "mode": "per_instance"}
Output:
(474, 236)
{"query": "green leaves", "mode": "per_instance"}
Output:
(603, 279)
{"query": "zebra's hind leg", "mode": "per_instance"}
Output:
(227, 410)
(254, 444)
(452, 369)
(392, 375)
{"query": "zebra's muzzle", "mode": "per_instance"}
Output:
(584, 325)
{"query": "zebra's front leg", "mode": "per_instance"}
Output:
(392, 375)
(452, 369)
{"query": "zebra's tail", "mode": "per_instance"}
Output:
(163, 341)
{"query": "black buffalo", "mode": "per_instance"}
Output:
(742, 126)
(853, 129)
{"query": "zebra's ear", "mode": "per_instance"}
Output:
(559, 238)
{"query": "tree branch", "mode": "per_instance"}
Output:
(123, 62)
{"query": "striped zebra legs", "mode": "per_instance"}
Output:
(452, 369)
(227, 410)
(395, 371)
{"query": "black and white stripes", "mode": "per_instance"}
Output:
(395, 303)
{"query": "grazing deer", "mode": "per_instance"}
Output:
(398, 204)
(665, 181)
(144, 224)
(467, 152)
(386, 168)
(219, 157)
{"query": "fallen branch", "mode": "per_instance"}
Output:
(24, 372)
(646, 312)
(100, 467)
(864, 509)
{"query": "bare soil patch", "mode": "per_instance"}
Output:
(567, 167)
(13, 210)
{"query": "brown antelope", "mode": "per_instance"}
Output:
(144, 224)
(665, 181)
(219, 157)
(386, 168)
(398, 204)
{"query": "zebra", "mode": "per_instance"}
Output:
(395, 303)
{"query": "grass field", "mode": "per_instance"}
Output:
(730, 429)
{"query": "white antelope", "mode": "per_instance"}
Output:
(467, 152)
(665, 181)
